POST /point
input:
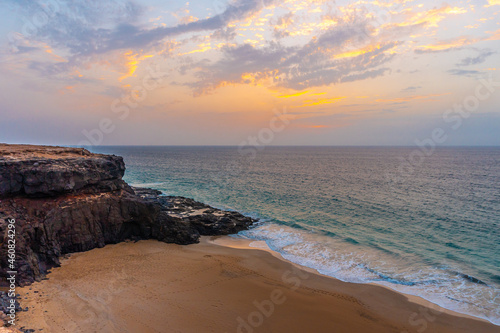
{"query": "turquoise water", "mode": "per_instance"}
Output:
(428, 228)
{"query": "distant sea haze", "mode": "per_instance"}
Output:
(355, 213)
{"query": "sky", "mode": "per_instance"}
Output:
(265, 72)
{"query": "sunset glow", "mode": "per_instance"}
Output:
(212, 72)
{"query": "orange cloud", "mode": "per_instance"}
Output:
(188, 19)
(304, 28)
(58, 58)
(133, 61)
(432, 17)
(257, 78)
(76, 73)
(446, 45)
(294, 95)
(321, 101)
(358, 52)
(495, 35)
(202, 48)
(492, 3)
(67, 89)
(327, 22)
(457, 43)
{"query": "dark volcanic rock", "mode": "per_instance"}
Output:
(5, 303)
(200, 218)
(67, 200)
(45, 171)
(8, 306)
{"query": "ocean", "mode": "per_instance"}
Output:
(420, 221)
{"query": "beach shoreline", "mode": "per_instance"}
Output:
(221, 284)
(242, 243)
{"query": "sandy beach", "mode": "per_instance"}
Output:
(151, 286)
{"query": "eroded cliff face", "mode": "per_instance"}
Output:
(39, 171)
(68, 200)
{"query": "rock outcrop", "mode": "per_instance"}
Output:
(39, 171)
(67, 200)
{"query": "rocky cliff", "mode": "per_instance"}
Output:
(67, 200)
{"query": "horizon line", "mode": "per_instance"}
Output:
(264, 146)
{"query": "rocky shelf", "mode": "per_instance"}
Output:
(66, 200)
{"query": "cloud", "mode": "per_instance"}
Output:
(411, 89)
(447, 45)
(493, 3)
(86, 30)
(322, 101)
(21, 49)
(456, 44)
(236, 62)
(281, 24)
(294, 95)
(330, 58)
(469, 61)
(343, 43)
(131, 63)
(365, 75)
(410, 98)
(225, 34)
(127, 36)
(462, 72)
(431, 18)
(76, 26)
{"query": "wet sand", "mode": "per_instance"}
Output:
(151, 286)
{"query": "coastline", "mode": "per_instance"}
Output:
(242, 243)
(149, 286)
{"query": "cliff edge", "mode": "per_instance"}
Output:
(67, 200)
